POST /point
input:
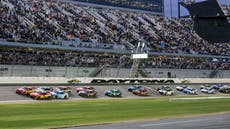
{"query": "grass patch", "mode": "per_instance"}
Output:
(80, 112)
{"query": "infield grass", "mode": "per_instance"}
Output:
(82, 112)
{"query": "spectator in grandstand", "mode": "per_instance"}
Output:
(55, 58)
(58, 22)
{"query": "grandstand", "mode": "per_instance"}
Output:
(59, 38)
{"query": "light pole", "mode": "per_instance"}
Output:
(171, 8)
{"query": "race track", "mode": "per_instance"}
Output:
(221, 121)
(7, 93)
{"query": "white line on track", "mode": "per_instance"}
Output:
(199, 98)
(16, 101)
(177, 122)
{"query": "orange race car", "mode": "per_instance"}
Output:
(140, 92)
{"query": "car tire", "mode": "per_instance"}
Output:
(37, 98)
(65, 97)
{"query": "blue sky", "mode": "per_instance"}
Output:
(183, 11)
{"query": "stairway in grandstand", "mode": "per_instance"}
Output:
(96, 72)
(143, 73)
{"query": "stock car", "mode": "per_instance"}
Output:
(45, 88)
(59, 94)
(165, 90)
(204, 86)
(208, 90)
(66, 89)
(225, 89)
(140, 92)
(113, 93)
(181, 88)
(190, 90)
(185, 81)
(132, 88)
(85, 88)
(25, 90)
(216, 86)
(87, 93)
(39, 94)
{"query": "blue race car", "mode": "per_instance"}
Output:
(216, 86)
(59, 94)
(113, 93)
(132, 88)
(190, 90)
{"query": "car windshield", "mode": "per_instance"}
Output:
(115, 91)
(88, 87)
(208, 88)
(90, 91)
(28, 88)
(137, 87)
(64, 88)
(168, 89)
(191, 89)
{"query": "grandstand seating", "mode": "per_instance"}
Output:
(73, 59)
(49, 21)
(59, 23)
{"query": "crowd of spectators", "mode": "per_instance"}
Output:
(48, 21)
(226, 9)
(73, 59)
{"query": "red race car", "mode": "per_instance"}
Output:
(85, 88)
(40, 95)
(26, 90)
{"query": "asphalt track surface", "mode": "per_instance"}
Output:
(7, 93)
(221, 121)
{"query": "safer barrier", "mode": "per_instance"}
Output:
(87, 80)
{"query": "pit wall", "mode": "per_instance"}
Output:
(86, 80)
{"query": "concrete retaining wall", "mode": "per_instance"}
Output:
(83, 80)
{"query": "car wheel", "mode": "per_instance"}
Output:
(37, 97)
(65, 97)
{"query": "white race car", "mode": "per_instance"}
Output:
(208, 90)
(165, 90)
(59, 94)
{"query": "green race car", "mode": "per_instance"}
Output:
(113, 93)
